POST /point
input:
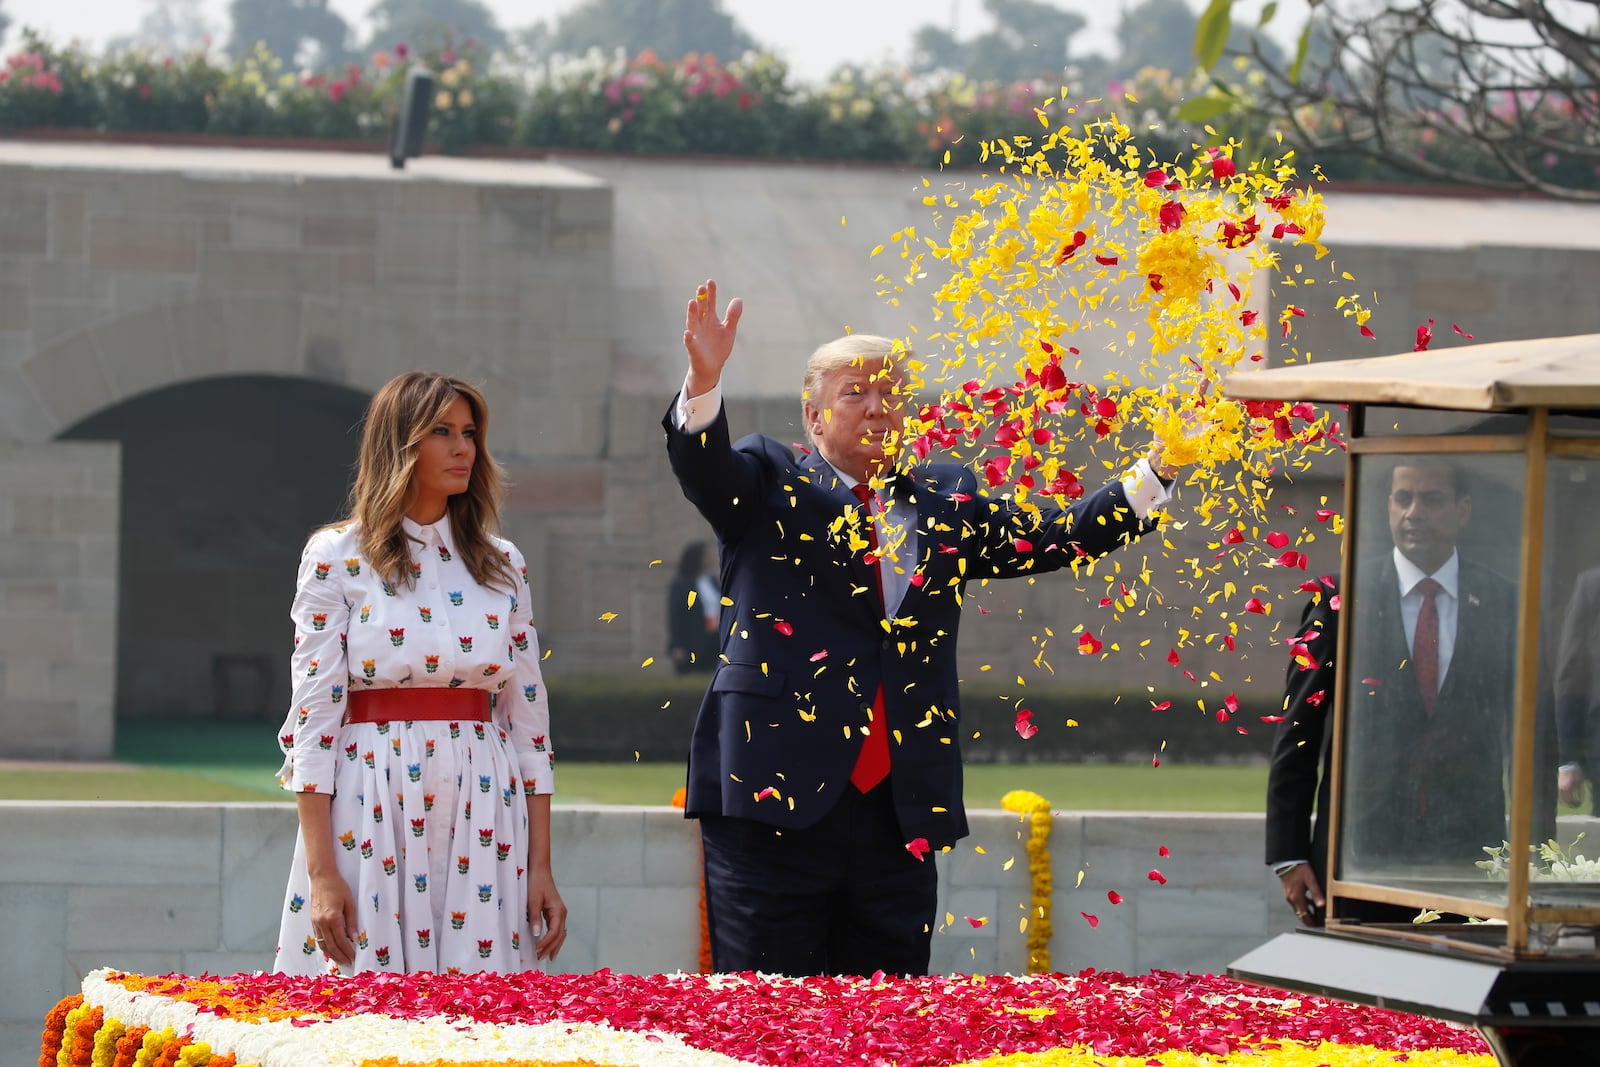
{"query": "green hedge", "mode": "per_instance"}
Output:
(697, 105)
(609, 102)
(649, 717)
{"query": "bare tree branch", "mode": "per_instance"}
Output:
(1503, 94)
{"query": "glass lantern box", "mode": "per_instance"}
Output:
(1467, 699)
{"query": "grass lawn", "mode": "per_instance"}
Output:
(234, 762)
(212, 762)
(1077, 786)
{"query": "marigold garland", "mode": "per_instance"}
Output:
(105, 1043)
(1039, 929)
(128, 1045)
(150, 1048)
(83, 1030)
(55, 1029)
(681, 799)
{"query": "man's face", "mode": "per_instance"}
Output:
(1425, 515)
(852, 414)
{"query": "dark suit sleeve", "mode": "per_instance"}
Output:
(1015, 540)
(1297, 748)
(1574, 686)
(724, 483)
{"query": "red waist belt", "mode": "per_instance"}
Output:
(430, 704)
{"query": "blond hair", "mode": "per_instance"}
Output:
(400, 415)
(851, 350)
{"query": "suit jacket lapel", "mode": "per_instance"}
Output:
(1467, 657)
(841, 496)
(1390, 628)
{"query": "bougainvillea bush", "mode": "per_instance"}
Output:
(696, 104)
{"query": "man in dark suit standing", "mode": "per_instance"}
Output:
(1428, 718)
(825, 764)
(1577, 691)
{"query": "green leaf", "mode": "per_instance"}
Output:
(1204, 108)
(1267, 12)
(1211, 33)
(1300, 55)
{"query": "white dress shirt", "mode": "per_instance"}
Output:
(1447, 602)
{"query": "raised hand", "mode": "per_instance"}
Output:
(1167, 458)
(708, 338)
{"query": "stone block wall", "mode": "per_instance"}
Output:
(128, 275)
(58, 598)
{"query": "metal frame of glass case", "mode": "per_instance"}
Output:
(1530, 976)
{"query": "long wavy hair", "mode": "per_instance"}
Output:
(402, 413)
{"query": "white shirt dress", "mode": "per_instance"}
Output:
(429, 818)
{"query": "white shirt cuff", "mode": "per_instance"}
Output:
(695, 413)
(1283, 867)
(1144, 490)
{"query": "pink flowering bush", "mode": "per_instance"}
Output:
(696, 105)
(45, 86)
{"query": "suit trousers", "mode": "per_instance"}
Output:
(843, 896)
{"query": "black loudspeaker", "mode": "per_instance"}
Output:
(411, 123)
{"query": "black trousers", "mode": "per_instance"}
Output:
(841, 897)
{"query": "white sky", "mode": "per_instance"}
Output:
(814, 36)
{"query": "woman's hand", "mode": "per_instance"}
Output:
(334, 918)
(546, 908)
(708, 338)
(333, 906)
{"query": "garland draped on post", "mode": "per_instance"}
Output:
(1038, 929)
(681, 799)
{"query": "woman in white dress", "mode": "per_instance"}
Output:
(418, 739)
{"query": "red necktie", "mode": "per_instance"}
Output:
(872, 765)
(1425, 645)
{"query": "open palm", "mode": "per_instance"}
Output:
(708, 337)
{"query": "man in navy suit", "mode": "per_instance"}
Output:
(1577, 691)
(825, 764)
(1429, 716)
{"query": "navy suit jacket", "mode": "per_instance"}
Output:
(1577, 678)
(1428, 788)
(805, 644)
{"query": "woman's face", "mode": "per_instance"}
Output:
(447, 453)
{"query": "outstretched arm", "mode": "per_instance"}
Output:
(718, 480)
